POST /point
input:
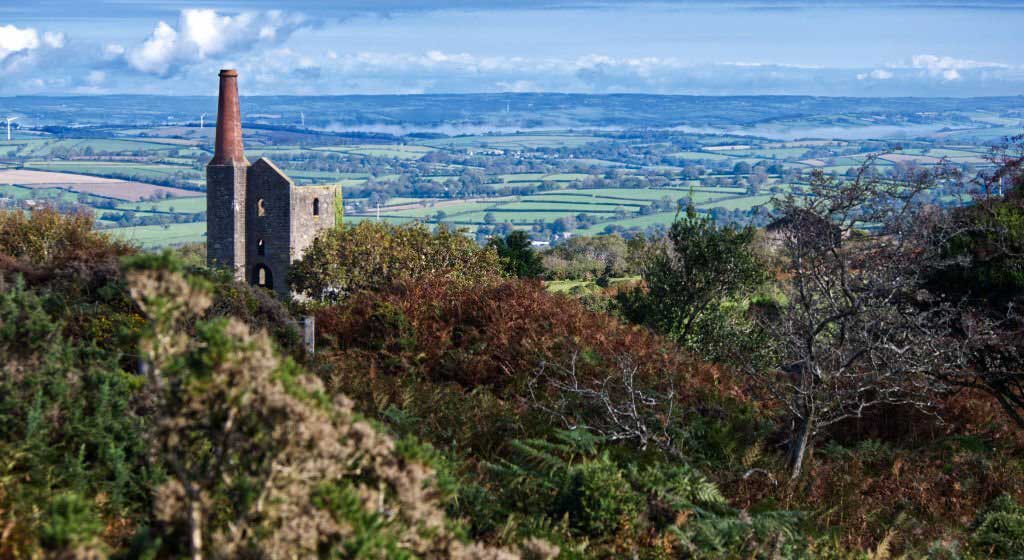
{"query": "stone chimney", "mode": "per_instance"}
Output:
(226, 184)
(228, 147)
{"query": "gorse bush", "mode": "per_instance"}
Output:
(260, 461)
(70, 439)
(45, 237)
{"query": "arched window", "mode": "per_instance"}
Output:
(262, 277)
(261, 249)
(316, 206)
(260, 210)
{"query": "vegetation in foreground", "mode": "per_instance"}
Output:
(153, 408)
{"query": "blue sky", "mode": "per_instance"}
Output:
(837, 47)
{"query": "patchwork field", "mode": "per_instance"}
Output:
(111, 188)
(139, 180)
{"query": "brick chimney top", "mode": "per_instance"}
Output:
(228, 147)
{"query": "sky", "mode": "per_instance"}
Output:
(703, 47)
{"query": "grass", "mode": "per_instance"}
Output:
(661, 218)
(162, 236)
(565, 286)
(139, 172)
(741, 203)
(25, 193)
(186, 205)
(46, 147)
(771, 153)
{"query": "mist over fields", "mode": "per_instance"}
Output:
(777, 117)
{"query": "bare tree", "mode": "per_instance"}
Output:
(856, 331)
(618, 406)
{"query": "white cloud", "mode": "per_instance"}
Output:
(157, 53)
(96, 77)
(113, 50)
(15, 40)
(876, 75)
(53, 40)
(518, 86)
(949, 68)
(19, 46)
(204, 34)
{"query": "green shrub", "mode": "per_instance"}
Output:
(598, 499)
(999, 531)
(70, 521)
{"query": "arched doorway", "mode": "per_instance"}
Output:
(262, 277)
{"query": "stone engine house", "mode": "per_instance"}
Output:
(258, 220)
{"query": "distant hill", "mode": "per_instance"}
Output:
(480, 113)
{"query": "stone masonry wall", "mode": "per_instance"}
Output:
(226, 217)
(305, 225)
(273, 228)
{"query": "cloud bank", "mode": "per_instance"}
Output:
(204, 34)
(284, 52)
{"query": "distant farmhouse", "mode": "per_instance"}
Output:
(258, 220)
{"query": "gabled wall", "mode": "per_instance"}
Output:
(267, 183)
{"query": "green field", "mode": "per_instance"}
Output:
(26, 193)
(139, 172)
(662, 218)
(47, 147)
(400, 151)
(157, 236)
(188, 205)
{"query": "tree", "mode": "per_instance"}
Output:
(690, 274)
(374, 255)
(517, 255)
(564, 224)
(587, 258)
(854, 331)
(757, 180)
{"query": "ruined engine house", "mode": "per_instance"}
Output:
(258, 220)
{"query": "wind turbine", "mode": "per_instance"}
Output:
(201, 117)
(303, 117)
(9, 121)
